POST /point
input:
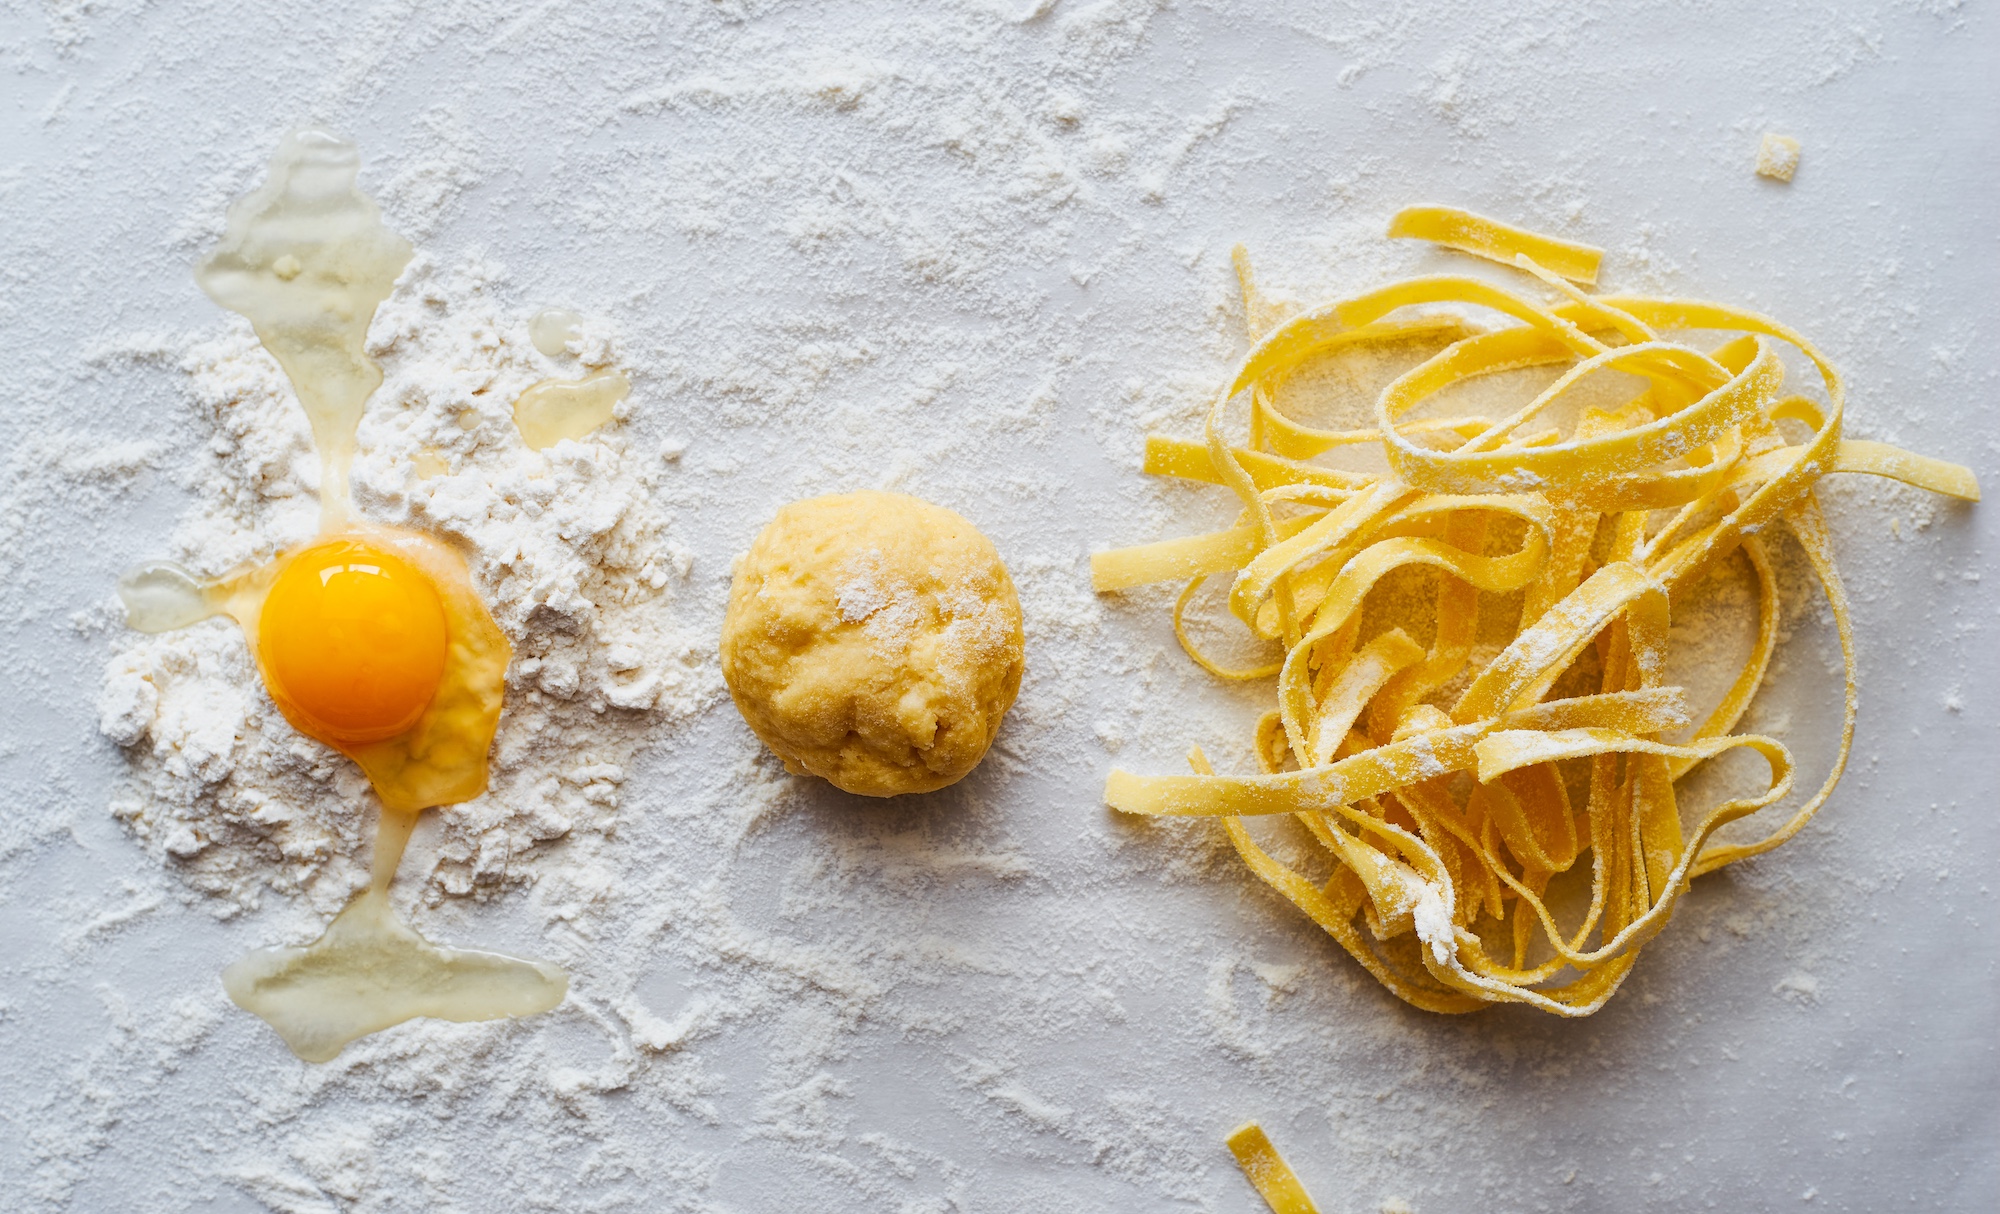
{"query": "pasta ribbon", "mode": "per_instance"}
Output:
(1267, 1171)
(1483, 237)
(1444, 784)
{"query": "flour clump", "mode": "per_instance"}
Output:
(873, 640)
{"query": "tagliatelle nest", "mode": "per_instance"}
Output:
(1617, 511)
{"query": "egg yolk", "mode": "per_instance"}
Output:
(353, 642)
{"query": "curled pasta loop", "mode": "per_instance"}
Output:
(1448, 776)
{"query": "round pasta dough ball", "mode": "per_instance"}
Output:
(874, 640)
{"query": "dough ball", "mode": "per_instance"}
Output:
(873, 640)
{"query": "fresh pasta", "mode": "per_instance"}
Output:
(1267, 1171)
(1445, 786)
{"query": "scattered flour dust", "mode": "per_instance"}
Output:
(566, 545)
(972, 251)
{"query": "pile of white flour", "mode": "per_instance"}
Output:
(565, 545)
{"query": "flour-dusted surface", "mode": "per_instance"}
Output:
(971, 251)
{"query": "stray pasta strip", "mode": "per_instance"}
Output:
(1446, 786)
(1778, 157)
(1267, 1171)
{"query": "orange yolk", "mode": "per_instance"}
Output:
(353, 642)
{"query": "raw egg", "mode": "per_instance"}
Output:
(373, 642)
(369, 638)
(353, 642)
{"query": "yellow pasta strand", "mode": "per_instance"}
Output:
(1490, 238)
(1446, 784)
(1267, 1172)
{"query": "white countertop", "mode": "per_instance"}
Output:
(797, 216)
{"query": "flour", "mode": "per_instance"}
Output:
(973, 251)
(565, 545)
(861, 593)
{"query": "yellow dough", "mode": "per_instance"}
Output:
(873, 640)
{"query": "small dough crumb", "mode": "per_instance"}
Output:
(1778, 157)
(873, 640)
